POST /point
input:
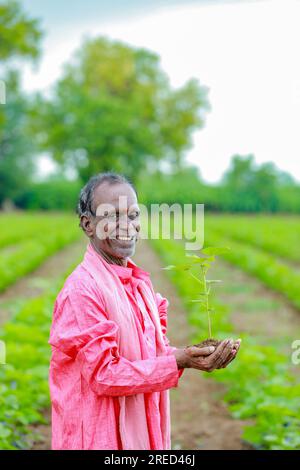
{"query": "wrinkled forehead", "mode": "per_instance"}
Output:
(117, 195)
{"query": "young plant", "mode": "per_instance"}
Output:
(204, 261)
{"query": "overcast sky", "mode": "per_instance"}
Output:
(246, 53)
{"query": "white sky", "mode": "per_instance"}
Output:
(246, 53)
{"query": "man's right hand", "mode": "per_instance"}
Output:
(207, 358)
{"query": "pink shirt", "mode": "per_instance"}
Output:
(84, 387)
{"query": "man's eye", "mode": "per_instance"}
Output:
(134, 215)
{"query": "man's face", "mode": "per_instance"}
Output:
(116, 227)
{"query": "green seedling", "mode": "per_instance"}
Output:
(204, 262)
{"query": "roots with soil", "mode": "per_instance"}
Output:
(208, 342)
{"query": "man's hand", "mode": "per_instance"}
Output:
(207, 358)
(236, 347)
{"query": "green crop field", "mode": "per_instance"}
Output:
(261, 385)
(278, 235)
(27, 240)
(210, 131)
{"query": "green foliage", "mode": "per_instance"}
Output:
(183, 186)
(16, 149)
(276, 274)
(41, 238)
(54, 194)
(246, 187)
(19, 38)
(289, 198)
(250, 189)
(275, 235)
(271, 270)
(113, 109)
(20, 226)
(204, 261)
(19, 34)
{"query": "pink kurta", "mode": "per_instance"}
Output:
(87, 373)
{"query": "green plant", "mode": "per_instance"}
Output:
(204, 261)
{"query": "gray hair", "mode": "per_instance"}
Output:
(86, 197)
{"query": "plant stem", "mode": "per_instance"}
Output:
(206, 293)
(195, 277)
(207, 302)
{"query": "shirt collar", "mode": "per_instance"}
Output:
(124, 272)
(129, 271)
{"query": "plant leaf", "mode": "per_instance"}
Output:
(201, 259)
(206, 264)
(178, 267)
(215, 250)
(200, 301)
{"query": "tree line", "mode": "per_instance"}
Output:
(113, 109)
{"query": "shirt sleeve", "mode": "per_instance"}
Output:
(162, 305)
(81, 330)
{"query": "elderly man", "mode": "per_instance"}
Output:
(112, 365)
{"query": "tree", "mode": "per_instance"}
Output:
(114, 109)
(237, 180)
(265, 187)
(248, 187)
(19, 37)
(15, 147)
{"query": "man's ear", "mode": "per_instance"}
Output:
(86, 225)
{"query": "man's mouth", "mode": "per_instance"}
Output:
(124, 239)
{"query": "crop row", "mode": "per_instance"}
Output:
(18, 227)
(27, 255)
(274, 272)
(277, 235)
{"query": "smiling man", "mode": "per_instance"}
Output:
(112, 365)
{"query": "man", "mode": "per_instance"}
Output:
(112, 365)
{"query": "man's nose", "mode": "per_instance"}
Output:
(129, 226)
